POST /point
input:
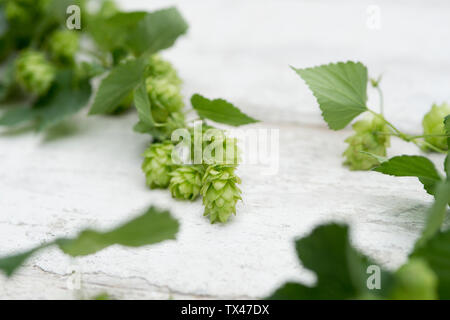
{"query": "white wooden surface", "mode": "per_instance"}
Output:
(240, 50)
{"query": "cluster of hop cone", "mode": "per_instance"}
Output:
(213, 177)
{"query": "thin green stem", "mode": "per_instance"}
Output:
(429, 135)
(397, 131)
(380, 94)
(430, 146)
(405, 137)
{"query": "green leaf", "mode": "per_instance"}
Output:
(437, 213)
(113, 32)
(158, 30)
(324, 252)
(7, 78)
(64, 99)
(17, 115)
(341, 270)
(340, 89)
(9, 264)
(447, 166)
(436, 252)
(295, 291)
(3, 22)
(57, 9)
(144, 128)
(219, 110)
(142, 104)
(141, 127)
(412, 166)
(151, 227)
(380, 159)
(117, 86)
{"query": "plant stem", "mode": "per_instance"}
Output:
(405, 137)
(380, 94)
(429, 135)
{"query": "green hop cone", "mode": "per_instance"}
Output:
(159, 68)
(63, 45)
(164, 97)
(220, 192)
(216, 147)
(22, 12)
(186, 182)
(227, 153)
(433, 124)
(34, 72)
(371, 135)
(415, 281)
(17, 13)
(158, 164)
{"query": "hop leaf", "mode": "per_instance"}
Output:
(63, 45)
(158, 164)
(433, 124)
(220, 192)
(372, 136)
(185, 182)
(34, 72)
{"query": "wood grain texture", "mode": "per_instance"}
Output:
(240, 50)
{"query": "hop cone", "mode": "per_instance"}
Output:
(227, 153)
(161, 69)
(158, 164)
(415, 280)
(433, 123)
(21, 12)
(34, 72)
(186, 181)
(17, 13)
(164, 97)
(64, 44)
(220, 192)
(371, 135)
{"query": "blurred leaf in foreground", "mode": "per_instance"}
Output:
(151, 227)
